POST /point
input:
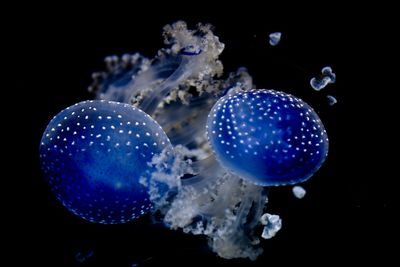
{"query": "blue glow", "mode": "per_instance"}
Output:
(95, 157)
(267, 137)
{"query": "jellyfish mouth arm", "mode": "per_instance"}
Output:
(156, 95)
(237, 237)
(227, 212)
(219, 205)
(118, 81)
(188, 129)
(184, 119)
(194, 68)
(190, 59)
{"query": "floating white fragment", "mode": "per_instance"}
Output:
(274, 38)
(327, 77)
(332, 100)
(273, 224)
(327, 71)
(299, 191)
(319, 84)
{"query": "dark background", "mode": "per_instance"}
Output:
(344, 217)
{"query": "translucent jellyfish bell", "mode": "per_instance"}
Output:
(267, 137)
(94, 155)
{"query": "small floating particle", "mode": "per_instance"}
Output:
(326, 78)
(298, 191)
(331, 100)
(274, 38)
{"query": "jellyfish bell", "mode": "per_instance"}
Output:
(267, 137)
(95, 157)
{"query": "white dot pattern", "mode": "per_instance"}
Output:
(93, 155)
(268, 137)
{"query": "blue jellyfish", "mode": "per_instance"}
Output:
(267, 137)
(95, 156)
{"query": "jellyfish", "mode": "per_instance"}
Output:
(220, 144)
(94, 156)
(267, 137)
